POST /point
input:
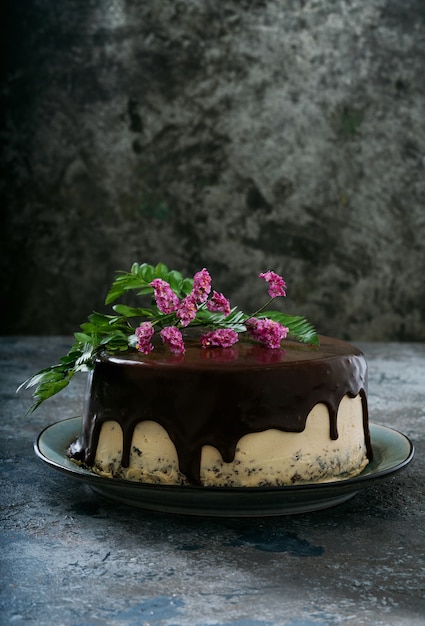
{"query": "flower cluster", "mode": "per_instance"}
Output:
(266, 331)
(219, 303)
(166, 299)
(173, 337)
(185, 311)
(179, 302)
(144, 335)
(222, 338)
(277, 285)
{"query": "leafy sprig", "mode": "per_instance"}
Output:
(140, 277)
(116, 333)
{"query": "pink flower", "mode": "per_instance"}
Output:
(187, 309)
(223, 338)
(267, 331)
(166, 299)
(277, 285)
(219, 303)
(144, 334)
(201, 285)
(173, 337)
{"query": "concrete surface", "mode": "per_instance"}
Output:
(73, 558)
(238, 135)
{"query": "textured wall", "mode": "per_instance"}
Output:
(240, 135)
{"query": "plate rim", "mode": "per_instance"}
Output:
(356, 482)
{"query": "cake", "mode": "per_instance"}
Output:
(191, 391)
(241, 416)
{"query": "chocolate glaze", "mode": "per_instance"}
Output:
(215, 396)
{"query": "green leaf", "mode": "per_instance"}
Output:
(99, 319)
(48, 382)
(235, 320)
(47, 390)
(129, 311)
(83, 338)
(123, 282)
(161, 271)
(85, 356)
(147, 272)
(114, 293)
(175, 280)
(187, 286)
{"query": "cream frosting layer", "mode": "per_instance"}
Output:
(267, 458)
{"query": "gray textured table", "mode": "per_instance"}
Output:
(72, 557)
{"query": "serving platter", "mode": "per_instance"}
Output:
(392, 452)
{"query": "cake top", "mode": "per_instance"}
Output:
(244, 355)
(155, 333)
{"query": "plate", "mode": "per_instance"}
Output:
(392, 452)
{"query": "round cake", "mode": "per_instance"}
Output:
(240, 416)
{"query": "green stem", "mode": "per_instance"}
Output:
(262, 307)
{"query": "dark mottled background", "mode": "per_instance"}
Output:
(240, 135)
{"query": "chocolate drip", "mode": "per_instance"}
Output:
(214, 397)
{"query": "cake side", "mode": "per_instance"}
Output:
(210, 403)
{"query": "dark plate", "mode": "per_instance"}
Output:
(392, 451)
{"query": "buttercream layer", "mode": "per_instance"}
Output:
(268, 458)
